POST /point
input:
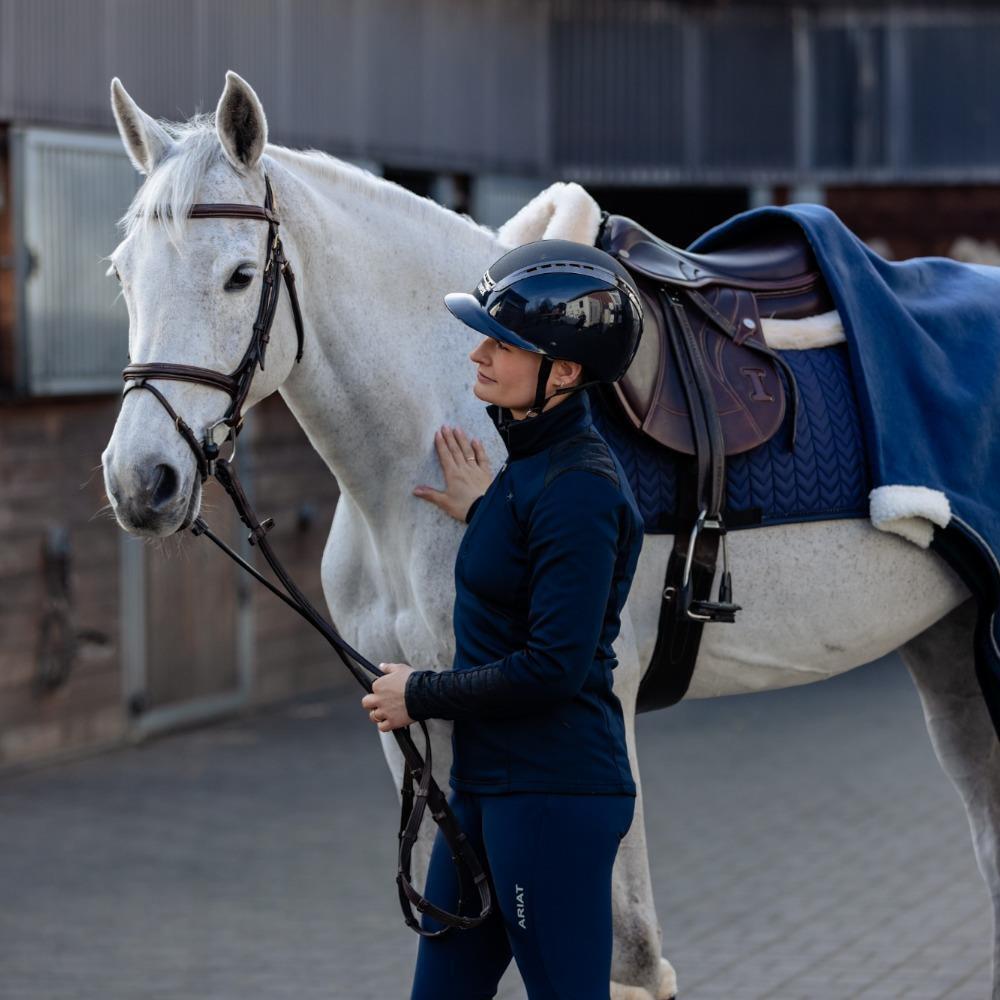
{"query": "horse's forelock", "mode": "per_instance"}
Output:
(169, 191)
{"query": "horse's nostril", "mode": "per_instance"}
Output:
(164, 486)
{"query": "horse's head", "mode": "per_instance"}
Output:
(192, 287)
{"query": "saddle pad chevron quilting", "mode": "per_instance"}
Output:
(826, 478)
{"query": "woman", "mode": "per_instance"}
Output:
(540, 776)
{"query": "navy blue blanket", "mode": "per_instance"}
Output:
(923, 337)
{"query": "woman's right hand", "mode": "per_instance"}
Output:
(466, 471)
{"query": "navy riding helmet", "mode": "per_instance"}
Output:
(562, 300)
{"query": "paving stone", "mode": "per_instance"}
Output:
(804, 844)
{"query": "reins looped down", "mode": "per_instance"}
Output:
(237, 384)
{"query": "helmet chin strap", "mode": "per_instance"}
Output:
(543, 376)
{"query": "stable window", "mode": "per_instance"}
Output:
(71, 329)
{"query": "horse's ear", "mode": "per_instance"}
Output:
(241, 123)
(146, 141)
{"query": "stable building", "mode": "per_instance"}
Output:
(677, 114)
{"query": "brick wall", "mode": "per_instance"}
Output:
(51, 480)
(919, 221)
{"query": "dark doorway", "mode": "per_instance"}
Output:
(677, 215)
(418, 181)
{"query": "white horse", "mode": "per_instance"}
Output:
(384, 365)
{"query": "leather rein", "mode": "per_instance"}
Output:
(210, 463)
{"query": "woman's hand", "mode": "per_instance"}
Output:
(385, 702)
(466, 470)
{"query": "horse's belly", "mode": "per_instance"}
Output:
(818, 598)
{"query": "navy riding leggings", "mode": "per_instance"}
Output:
(548, 857)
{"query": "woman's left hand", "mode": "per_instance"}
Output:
(385, 702)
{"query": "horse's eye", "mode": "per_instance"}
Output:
(240, 278)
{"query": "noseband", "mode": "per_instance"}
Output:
(210, 463)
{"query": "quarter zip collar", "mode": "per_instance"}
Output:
(532, 434)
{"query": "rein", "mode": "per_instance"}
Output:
(206, 451)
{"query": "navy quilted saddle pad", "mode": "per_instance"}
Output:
(825, 478)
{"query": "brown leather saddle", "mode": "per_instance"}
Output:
(705, 384)
(723, 297)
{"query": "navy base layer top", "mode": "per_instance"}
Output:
(541, 576)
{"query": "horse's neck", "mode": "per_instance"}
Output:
(383, 364)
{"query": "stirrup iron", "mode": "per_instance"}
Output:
(722, 609)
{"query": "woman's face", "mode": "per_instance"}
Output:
(507, 375)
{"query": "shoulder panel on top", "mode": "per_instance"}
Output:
(588, 451)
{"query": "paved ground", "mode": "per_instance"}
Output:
(809, 846)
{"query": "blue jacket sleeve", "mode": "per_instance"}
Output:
(472, 508)
(573, 544)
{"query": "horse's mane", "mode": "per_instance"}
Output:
(169, 191)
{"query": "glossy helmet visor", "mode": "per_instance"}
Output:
(466, 307)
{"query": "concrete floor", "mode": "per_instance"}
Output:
(808, 845)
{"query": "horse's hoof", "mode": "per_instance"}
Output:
(621, 992)
(667, 989)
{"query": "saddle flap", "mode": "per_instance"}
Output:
(748, 391)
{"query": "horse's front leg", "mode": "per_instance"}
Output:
(638, 969)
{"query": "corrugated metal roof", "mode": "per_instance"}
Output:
(629, 91)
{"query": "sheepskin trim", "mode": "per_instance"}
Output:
(910, 511)
(563, 211)
(820, 330)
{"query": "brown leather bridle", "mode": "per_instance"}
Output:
(237, 382)
(211, 463)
